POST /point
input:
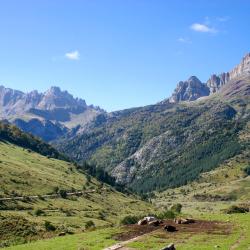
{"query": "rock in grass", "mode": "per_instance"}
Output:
(142, 222)
(154, 223)
(62, 234)
(169, 247)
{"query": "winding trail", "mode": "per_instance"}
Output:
(236, 244)
(122, 245)
(48, 195)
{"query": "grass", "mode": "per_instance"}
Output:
(27, 173)
(238, 237)
(95, 240)
(228, 182)
(23, 172)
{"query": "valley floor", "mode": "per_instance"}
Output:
(211, 231)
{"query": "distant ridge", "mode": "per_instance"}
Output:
(193, 88)
(48, 115)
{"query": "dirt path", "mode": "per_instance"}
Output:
(53, 196)
(236, 244)
(122, 245)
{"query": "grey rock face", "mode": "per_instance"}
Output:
(216, 82)
(241, 69)
(193, 88)
(189, 90)
(48, 115)
(16, 102)
(55, 98)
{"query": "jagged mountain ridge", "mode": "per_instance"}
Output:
(48, 115)
(193, 88)
(170, 143)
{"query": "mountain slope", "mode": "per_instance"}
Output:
(170, 143)
(12, 134)
(25, 173)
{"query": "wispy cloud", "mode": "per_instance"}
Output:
(223, 19)
(203, 28)
(184, 40)
(73, 55)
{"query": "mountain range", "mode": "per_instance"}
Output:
(164, 145)
(48, 115)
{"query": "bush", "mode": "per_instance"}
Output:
(237, 209)
(63, 193)
(89, 224)
(38, 212)
(176, 208)
(247, 170)
(48, 226)
(130, 219)
(168, 214)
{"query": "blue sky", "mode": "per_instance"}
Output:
(119, 53)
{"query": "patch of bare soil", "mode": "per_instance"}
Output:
(132, 231)
(199, 226)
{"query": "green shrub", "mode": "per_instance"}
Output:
(176, 208)
(168, 214)
(247, 170)
(63, 193)
(48, 226)
(237, 209)
(89, 224)
(130, 219)
(38, 212)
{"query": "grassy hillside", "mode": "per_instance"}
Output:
(25, 173)
(11, 133)
(227, 185)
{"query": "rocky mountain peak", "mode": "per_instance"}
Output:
(189, 90)
(193, 88)
(56, 98)
(14, 102)
(241, 69)
(215, 82)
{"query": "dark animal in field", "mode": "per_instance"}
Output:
(170, 228)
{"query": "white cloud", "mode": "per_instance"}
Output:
(202, 28)
(223, 18)
(184, 40)
(73, 55)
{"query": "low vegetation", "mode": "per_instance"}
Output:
(25, 173)
(237, 209)
(12, 134)
(174, 144)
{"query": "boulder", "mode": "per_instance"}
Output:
(177, 221)
(142, 222)
(154, 223)
(184, 221)
(146, 220)
(150, 218)
(62, 234)
(169, 247)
